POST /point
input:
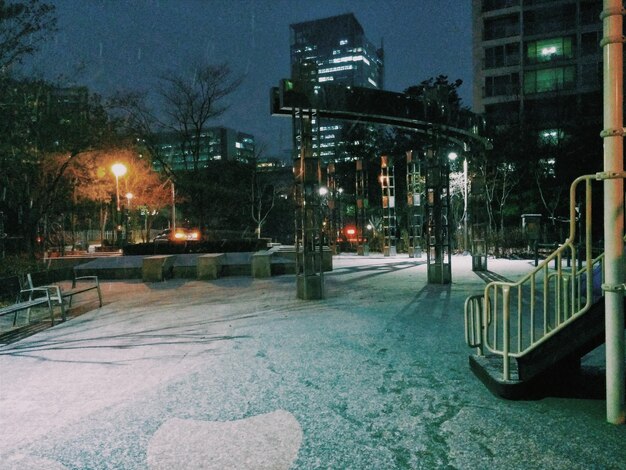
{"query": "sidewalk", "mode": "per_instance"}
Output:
(238, 373)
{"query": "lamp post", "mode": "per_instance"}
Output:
(129, 197)
(452, 156)
(118, 169)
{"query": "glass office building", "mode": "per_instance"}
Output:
(335, 50)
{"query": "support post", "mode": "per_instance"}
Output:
(309, 239)
(414, 199)
(333, 231)
(438, 254)
(389, 206)
(362, 247)
(613, 134)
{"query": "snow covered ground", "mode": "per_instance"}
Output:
(238, 373)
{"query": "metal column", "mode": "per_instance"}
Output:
(613, 134)
(389, 206)
(438, 254)
(362, 247)
(414, 198)
(309, 233)
(333, 229)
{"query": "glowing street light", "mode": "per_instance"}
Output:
(118, 169)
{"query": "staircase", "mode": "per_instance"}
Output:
(531, 334)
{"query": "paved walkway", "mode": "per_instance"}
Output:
(237, 373)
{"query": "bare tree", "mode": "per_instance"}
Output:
(22, 27)
(262, 194)
(191, 102)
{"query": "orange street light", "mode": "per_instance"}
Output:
(118, 169)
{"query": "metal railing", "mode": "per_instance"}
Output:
(511, 318)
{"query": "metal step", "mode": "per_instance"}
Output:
(549, 368)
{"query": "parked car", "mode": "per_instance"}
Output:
(178, 235)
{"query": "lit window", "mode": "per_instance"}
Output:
(548, 166)
(350, 58)
(372, 82)
(551, 136)
(547, 50)
(336, 69)
(539, 81)
(343, 42)
(326, 79)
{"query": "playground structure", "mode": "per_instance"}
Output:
(557, 316)
(529, 333)
(429, 115)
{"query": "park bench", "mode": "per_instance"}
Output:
(33, 301)
(79, 285)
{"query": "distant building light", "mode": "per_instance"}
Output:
(326, 79)
(343, 42)
(372, 82)
(350, 58)
(336, 69)
(548, 51)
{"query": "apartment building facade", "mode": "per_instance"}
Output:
(538, 63)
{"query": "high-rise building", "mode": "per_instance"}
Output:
(216, 143)
(335, 50)
(538, 63)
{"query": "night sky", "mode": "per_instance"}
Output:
(111, 45)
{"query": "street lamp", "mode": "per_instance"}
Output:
(118, 169)
(129, 197)
(453, 156)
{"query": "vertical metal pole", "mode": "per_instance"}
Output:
(465, 214)
(613, 208)
(309, 277)
(173, 207)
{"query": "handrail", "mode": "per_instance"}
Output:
(518, 316)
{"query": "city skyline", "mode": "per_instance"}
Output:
(132, 43)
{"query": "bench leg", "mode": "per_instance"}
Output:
(99, 295)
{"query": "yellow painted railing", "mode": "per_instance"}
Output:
(511, 318)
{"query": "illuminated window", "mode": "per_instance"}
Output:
(343, 42)
(549, 49)
(336, 69)
(551, 136)
(353, 58)
(548, 166)
(553, 79)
